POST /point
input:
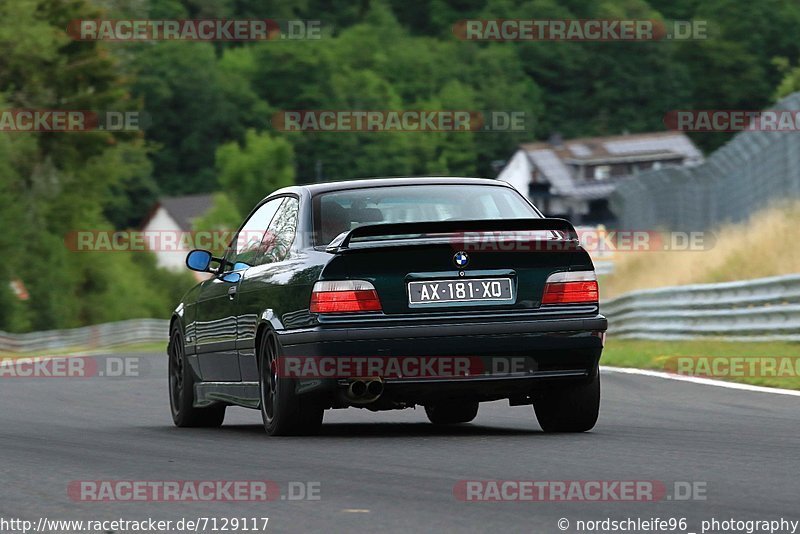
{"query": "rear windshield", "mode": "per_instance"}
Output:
(341, 211)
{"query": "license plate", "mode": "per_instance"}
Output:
(471, 290)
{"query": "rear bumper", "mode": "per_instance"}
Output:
(360, 333)
(549, 351)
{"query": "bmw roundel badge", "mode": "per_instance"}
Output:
(461, 259)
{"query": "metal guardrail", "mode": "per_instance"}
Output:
(88, 337)
(764, 309)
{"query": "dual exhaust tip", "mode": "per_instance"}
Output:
(365, 390)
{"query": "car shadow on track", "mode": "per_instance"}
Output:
(391, 430)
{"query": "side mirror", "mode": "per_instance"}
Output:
(232, 278)
(199, 260)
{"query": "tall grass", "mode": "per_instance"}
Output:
(766, 245)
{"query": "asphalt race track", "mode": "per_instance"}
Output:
(393, 471)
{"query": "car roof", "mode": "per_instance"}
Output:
(316, 189)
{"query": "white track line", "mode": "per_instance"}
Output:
(698, 380)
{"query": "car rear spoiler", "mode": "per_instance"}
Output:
(342, 241)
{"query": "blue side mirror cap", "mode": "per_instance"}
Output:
(199, 260)
(232, 278)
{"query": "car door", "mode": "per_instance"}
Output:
(262, 286)
(216, 304)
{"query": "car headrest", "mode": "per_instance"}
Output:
(335, 220)
(366, 215)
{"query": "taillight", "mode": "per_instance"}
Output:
(344, 296)
(571, 288)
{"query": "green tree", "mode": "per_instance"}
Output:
(223, 217)
(194, 108)
(791, 78)
(53, 184)
(253, 170)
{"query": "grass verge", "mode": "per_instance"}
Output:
(660, 356)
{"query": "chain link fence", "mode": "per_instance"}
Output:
(748, 174)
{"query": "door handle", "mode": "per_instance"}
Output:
(231, 292)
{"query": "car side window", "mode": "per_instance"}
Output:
(281, 233)
(247, 247)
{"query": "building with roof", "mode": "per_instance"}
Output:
(574, 178)
(167, 228)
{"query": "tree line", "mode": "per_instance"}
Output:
(209, 109)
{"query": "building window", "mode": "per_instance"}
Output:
(602, 172)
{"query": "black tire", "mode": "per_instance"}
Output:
(451, 413)
(283, 412)
(181, 390)
(572, 408)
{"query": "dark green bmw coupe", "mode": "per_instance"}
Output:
(386, 294)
